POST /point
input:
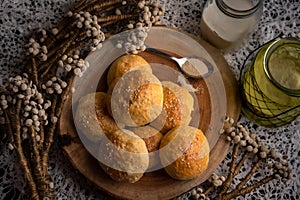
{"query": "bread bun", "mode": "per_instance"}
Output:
(92, 118)
(152, 138)
(177, 107)
(124, 64)
(136, 99)
(124, 156)
(184, 152)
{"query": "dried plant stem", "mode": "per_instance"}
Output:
(95, 6)
(53, 51)
(37, 161)
(121, 17)
(56, 111)
(23, 161)
(240, 163)
(114, 18)
(65, 95)
(57, 52)
(63, 29)
(249, 175)
(35, 149)
(60, 52)
(78, 44)
(208, 190)
(80, 3)
(28, 69)
(42, 134)
(106, 10)
(246, 190)
(230, 177)
(49, 138)
(34, 71)
(45, 189)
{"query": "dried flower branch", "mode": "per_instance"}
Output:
(248, 146)
(31, 103)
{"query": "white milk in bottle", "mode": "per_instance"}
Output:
(226, 23)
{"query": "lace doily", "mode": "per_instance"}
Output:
(18, 19)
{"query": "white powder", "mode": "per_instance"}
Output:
(183, 82)
(195, 67)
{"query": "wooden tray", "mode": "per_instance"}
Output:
(217, 98)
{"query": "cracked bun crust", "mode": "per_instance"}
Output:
(136, 99)
(92, 116)
(126, 63)
(184, 152)
(177, 107)
(124, 156)
(152, 138)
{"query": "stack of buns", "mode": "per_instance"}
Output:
(139, 116)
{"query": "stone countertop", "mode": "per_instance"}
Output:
(18, 19)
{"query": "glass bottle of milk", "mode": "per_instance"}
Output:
(227, 23)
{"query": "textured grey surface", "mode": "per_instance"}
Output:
(19, 18)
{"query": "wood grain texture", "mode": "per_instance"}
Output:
(157, 184)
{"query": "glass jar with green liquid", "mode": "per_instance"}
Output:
(271, 84)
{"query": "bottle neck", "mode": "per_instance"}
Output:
(283, 72)
(239, 8)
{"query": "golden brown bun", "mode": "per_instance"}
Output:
(184, 152)
(108, 95)
(124, 156)
(177, 107)
(136, 99)
(92, 117)
(124, 64)
(152, 138)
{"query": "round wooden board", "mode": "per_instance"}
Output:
(157, 184)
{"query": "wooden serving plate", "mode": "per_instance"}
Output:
(218, 97)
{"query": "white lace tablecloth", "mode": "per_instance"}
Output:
(18, 19)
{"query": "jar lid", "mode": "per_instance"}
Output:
(239, 9)
(282, 65)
